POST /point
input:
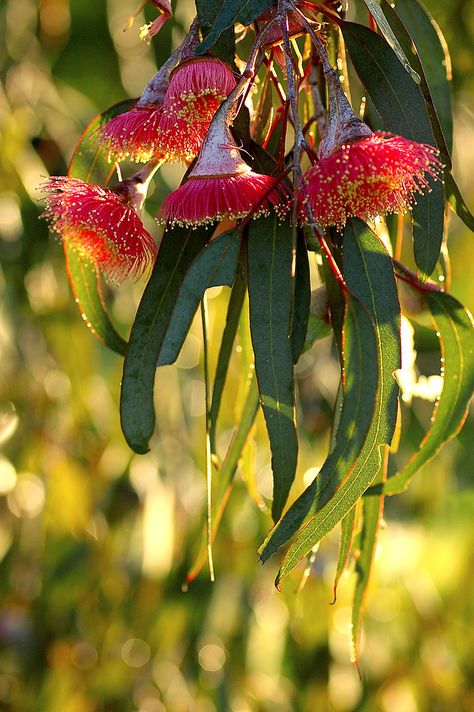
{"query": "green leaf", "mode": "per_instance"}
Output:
(456, 334)
(226, 13)
(224, 44)
(227, 470)
(270, 253)
(89, 164)
(225, 352)
(434, 57)
(372, 513)
(85, 282)
(178, 248)
(301, 298)
(345, 546)
(401, 106)
(215, 266)
(367, 422)
(373, 7)
(456, 201)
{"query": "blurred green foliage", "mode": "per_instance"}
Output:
(95, 542)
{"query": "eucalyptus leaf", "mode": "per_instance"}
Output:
(456, 334)
(367, 422)
(178, 248)
(402, 108)
(227, 13)
(270, 253)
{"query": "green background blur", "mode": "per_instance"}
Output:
(95, 542)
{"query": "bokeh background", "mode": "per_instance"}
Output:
(95, 542)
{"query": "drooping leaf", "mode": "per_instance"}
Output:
(89, 164)
(456, 334)
(270, 248)
(345, 546)
(367, 422)
(178, 248)
(373, 7)
(85, 282)
(227, 13)
(457, 202)
(227, 343)
(372, 512)
(301, 298)
(225, 475)
(434, 55)
(215, 266)
(402, 108)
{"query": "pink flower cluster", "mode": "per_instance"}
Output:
(369, 174)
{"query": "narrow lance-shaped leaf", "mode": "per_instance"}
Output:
(456, 334)
(225, 476)
(270, 293)
(89, 164)
(402, 108)
(301, 297)
(372, 354)
(225, 352)
(85, 283)
(373, 7)
(178, 248)
(457, 202)
(345, 546)
(434, 55)
(372, 513)
(215, 266)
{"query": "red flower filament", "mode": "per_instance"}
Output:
(375, 175)
(100, 226)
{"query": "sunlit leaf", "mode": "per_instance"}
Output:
(457, 202)
(367, 422)
(225, 476)
(456, 334)
(270, 251)
(86, 286)
(402, 108)
(372, 513)
(345, 546)
(178, 249)
(215, 266)
(89, 163)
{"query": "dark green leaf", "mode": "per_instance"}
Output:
(456, 201)
(226, 13)
(85, 283)
(401, 106)
(228, 337)
(178, 248)
(301, 298)
(456, 334)
(270, 251)
(215, 266)
(371, 355)
(434, 56)
(373, 7)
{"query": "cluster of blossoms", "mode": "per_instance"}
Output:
(185, 114)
